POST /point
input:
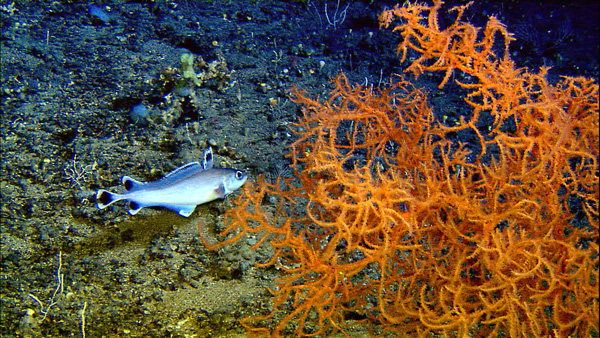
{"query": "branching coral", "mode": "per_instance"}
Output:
(388, 221)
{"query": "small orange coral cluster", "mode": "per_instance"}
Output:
(389, 221)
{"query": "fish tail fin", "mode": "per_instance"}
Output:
(105, 198)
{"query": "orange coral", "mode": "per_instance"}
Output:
(390, 221)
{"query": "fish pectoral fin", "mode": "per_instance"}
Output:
(183, 210)
(220, 191)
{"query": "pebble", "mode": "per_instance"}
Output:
(212, 142)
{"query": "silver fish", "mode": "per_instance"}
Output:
(180, 190)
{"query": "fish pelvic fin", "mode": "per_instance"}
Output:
(105, 198)
(183, 210)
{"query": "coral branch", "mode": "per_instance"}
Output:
(390, 220)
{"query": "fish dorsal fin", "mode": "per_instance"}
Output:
(174, 176)
(207, 159)
(130, 184)
(184, 170)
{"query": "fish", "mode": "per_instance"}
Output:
(181, 190)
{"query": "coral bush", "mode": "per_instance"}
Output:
(391, 220)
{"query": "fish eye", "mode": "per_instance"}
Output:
(239, 175)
